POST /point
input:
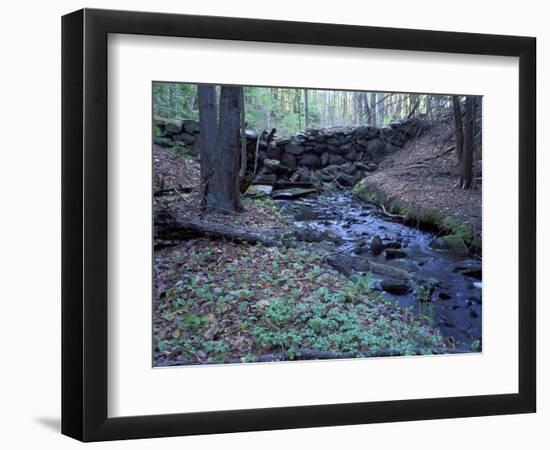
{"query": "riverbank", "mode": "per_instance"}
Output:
(417, 185)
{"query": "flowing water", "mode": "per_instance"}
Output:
(455, 306)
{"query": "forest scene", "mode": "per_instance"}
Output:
(297, 224)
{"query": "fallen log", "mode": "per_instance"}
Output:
(390, 215)
(169, 227)
(172, 190)
(310, 354)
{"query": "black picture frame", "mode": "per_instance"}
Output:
(84, 224)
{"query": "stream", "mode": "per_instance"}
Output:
(455, 306)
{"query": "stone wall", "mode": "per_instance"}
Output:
(333, 154)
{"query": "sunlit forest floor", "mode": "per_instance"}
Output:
(219, 301)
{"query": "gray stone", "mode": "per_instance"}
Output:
(318, 149)
(163, 141)
(394, 253)
(251, 134)
(310, 160)
(324, 159)
(386, 132)
(366, 132)
(395, 287)
(376, 245)
(172, 128)
(191, 126)
(288, 159)
(346, 180)
(292, 193)
(265, 177)
(272, 164)
(336, 159)
(282, 141)
(351, 155)
(345, 147)
(294, 148)
(273, 151)
(375, 149)
(185, 138)
(349, 168)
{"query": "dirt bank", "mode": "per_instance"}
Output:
(417, 184)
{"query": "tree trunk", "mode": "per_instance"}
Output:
(306, 110)
(367, 113)
(223, 190)
(208, 136)
(381, 110)
(372, 112)
(459, 134)
(399, 107)
(468, 149)
(243, 157)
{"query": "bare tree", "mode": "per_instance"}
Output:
(372, 109)
(219, 146)
(306, 110)
(468, 149)
(208, 125)
(459, 135)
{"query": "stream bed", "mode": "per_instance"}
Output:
(454, 305)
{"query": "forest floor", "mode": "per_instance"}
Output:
(217, 301)
(418, 183)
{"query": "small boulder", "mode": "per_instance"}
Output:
(172, 128)
(386, 132)
(294, 149)
(470, 269)
(251, 134)
(336, 159)
(474, 272)
(288, 159)
(346, 180)
(273, 151)
(191, 126)
(376, 245)
(395, 253)
(366, 132)
(265, 177)
(284, 194)
(310, 160)
(186, 138)
(395, 287)
(272, 164)
(351, 155)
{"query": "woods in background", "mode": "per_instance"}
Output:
(291, 110)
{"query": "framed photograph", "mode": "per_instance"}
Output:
(273, 224)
